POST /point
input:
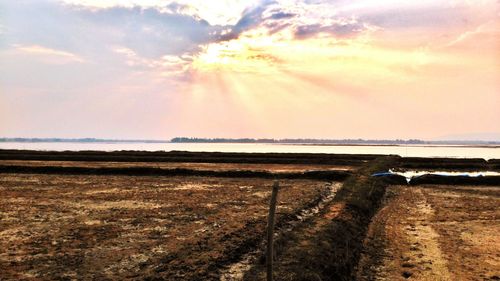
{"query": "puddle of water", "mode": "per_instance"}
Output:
(410, 174)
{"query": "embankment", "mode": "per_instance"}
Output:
(188, 157)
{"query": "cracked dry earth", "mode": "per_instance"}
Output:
(119, 227)
(434, 232)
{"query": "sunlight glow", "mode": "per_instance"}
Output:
(284, 68)
(260, 53)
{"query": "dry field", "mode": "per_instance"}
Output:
(115, 227)
(107, 216)
(435, 232)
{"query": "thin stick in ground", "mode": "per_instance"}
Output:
(270, 231)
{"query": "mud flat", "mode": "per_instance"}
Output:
(434, 232)
(116, 227)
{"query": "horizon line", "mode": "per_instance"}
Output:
(248, 140)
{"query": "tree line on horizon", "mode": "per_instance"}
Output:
(298, 141)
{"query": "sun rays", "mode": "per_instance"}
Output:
(259, 68)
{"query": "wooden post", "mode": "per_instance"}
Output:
(270, 231)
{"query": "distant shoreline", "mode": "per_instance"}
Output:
(363, 144)
(50, 140)
(310, 142)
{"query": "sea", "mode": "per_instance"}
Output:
(454, 151)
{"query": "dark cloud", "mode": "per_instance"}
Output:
(277, 20)
(281, 15)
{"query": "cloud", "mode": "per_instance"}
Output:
(251, 18)
(281, 15)
(416, 17)
(303, 19)
(425, 14)
(489, 30)
(50, 55)
(178, 8)
(337, 30)
(148, 31)
(168, 65)
(215, 12)
(152, 33)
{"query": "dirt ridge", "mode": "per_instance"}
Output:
(140, 171)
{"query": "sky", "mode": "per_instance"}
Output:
(157, 69)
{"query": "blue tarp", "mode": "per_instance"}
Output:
(382, 174)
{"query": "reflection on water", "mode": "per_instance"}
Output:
(405, 151)
(409, 175)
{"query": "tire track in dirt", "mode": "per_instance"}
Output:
(405, 239)
(425, 250)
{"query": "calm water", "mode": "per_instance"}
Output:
(408, 151)
(410, 174)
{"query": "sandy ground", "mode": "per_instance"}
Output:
(195, 166)
(435, 232)
(115, 227)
